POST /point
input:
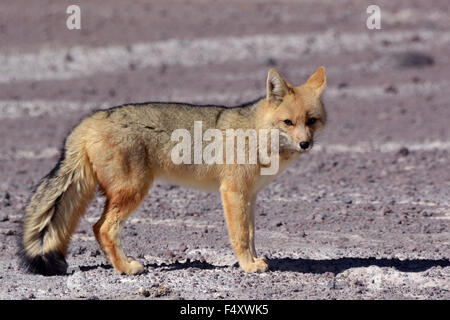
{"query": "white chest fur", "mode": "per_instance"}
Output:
(263, 180)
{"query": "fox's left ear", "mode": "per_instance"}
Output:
(276, 87)
(318, 80)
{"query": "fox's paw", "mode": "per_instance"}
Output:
(262, 265)
(258, 265)
(133, 267)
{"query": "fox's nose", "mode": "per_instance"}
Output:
(304, 145)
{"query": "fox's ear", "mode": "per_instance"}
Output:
(276, 87)
(318, 80)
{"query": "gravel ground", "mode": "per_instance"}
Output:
(365, 215)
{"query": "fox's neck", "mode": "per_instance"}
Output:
(246, 115)
(260, 114)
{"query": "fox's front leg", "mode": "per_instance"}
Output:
(239, 216)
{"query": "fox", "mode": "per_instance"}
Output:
(122, 150)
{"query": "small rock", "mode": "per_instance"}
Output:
(144, 292)
(10, 233)
(271, 62)
(160, 292)
(182, 247)
(320, 217)
(414, 60)
(79, 250)
(369, 207)
(95, 253)
(68, 57)
(358, 283)
(403, 152)
(347, 201)
(163, 69)
(342, 85)
(416, 38)
(278, 224)
(391, 89)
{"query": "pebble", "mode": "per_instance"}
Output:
(144, 292)
(95, 253)
(160, 292)
(182, 247)
(414, 60)
(391, 89)
(78, 250)
(403, 152)
(369, 207)
(271, 62)
(319, 217)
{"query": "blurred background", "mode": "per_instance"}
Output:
(385, 86)
(377, 183)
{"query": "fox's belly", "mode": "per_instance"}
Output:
(207, 184)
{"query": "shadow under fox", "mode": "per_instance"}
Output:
(122, 150)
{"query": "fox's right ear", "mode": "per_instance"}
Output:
(276, 87)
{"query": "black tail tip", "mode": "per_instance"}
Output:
(49, 264)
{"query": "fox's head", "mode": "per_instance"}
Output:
(297, 112)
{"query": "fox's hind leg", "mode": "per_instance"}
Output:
(123, 197)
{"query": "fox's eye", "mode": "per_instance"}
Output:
(311, 121)
(288, 122)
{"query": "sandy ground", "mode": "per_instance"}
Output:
(365, 215)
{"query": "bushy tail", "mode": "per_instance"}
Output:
(54, 210)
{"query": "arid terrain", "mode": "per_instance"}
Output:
(364, 215)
